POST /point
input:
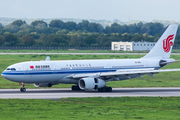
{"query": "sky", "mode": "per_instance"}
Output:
(123, 10)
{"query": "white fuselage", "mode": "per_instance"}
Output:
(58, 71)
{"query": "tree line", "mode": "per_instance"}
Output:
(83, 34)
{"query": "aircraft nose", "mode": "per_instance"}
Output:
(4, 75)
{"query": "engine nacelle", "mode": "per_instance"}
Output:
(91, 83)
(43, 84)
(162, 63)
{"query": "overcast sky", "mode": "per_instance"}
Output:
(124, 10)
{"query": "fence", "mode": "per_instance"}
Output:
(51, 48)
(56, 48)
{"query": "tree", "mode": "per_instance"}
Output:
(10, 39)
(59, 40)
(1, 40)
(70, 26)
(107, 29)
(40, 26)
(1, 26)
(115, 28)
(39, 23)
(46, 39)
(28, 40)
(18, 23)
(16, 26)
(99, 28)
(57, 24)
(83, 25)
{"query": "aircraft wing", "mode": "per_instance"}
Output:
(123, 72)
(138, 72)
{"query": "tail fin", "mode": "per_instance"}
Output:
(163, 47)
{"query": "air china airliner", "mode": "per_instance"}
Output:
(91, 75)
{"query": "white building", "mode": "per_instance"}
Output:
(132, 46)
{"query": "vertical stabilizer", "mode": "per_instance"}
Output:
(163, 47)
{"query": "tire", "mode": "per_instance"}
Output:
(50, 85)
(99, 90)
(103, 89)
(109, 89)
(23, 89)
(72, 88)
(77, 88)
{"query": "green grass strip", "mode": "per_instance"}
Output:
(122, 108)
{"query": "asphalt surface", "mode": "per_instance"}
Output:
(65, 93)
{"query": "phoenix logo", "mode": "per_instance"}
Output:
(32, 67)
(167, 43)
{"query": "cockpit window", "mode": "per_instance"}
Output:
(8, 69)
(12, 69)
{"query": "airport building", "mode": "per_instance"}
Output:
(132, 46)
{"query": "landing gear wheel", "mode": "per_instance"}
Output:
(75, 88)
(105, 89)
(109, 89)
(23, 89)
(49, 85)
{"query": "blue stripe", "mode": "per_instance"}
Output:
(69, 71)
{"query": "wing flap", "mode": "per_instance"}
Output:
(138, 72)
(85, 75)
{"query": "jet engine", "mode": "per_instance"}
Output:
(43, 84)
(91, 83)
(162, 63)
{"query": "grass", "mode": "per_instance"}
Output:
(71, 51)
(76, 51)
(168, 79)
(123, 108)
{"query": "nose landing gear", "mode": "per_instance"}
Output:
(22, 89)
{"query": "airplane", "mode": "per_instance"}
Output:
(92, 75)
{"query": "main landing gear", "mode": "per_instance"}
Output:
(105, 89)
(22, 89)
(75, 88)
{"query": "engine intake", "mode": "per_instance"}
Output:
(91, 83)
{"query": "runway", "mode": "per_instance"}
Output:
(65, 93)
